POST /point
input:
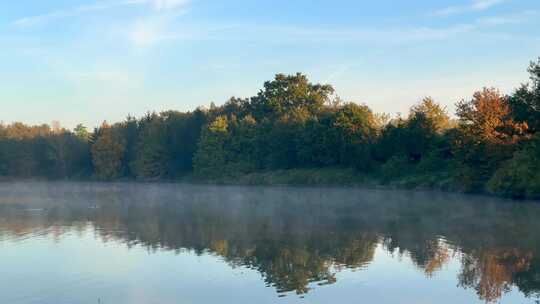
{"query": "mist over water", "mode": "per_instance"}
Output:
(174, 243)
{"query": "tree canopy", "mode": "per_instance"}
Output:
(292, 123)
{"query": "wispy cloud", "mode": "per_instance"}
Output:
(148, 32)
(160, 5)
(521, 17)
(61, 14)
(367, 35)
(474, 6)
(380, 36)
(157, 5)
(151, 31)
(168, 4)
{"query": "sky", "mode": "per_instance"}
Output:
(85, 61)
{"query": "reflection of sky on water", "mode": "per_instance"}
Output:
(80, 268)
(207, 246)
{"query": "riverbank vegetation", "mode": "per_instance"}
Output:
(294, 131)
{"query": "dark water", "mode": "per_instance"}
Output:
(138, 243)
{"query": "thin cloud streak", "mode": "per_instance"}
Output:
(522, 17)
(157, 5)
(284, 34)
(61, 14)
(475, 6)
(160, 5)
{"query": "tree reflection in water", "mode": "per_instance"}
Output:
(294, 236)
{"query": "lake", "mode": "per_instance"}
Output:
(174, 243)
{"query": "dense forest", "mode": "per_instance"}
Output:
(292, 125)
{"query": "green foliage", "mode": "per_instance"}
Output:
(81, 132)
(151, 158)
(434, 161)
(289, 93)
(519, 177)
(486, 137)
(525, 102)
(330, 176)
(211, 156)
(396, 167)
(432, 112)
(414, 137)
(316, 142)
(353, 129)
(294, 128)
(182, 132)
(243, 146)
(107, 154)
(281, 141)
(40, 151)
(64, 155)
(18, 158)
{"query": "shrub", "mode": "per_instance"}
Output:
(519, 177)
(396, 167)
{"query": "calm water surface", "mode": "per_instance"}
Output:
(149, 243)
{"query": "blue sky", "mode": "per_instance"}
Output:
(88, 61)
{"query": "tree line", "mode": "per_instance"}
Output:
(492, 143)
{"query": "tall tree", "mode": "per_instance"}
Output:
(107, 153)
(289, 93)
(434, 112)
(211, 156)
(487, 118)
(152, 157)
(354, 130)
(486, 137)
(183, 131)
(81, 132)
(525, 102)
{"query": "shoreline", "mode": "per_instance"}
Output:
(319, 177)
